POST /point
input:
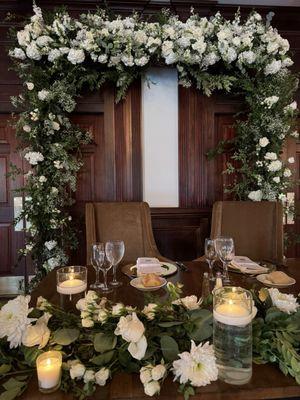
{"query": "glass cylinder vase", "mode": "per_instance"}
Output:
(232, 337)
(71, 284)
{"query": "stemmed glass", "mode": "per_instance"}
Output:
(114, 251)
(210, 255)
(225, 250)
(97, 260)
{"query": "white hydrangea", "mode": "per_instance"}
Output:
(54, 55)
(43, 94)
(76, 56)
(50, 244)
(17, 53)
(274, 166)
(270, 156)
(273, 67)
(287, 172)
(34, 157)
(276, 179)
(33, 52)
(255, 195)
(247, 57)
(23, 37)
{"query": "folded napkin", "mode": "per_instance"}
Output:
(247, 266)
(147, 265)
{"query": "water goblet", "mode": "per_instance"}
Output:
(225, 250)
(97, 260)
(210, 255)
(114, 251)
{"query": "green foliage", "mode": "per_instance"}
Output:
(65, 336)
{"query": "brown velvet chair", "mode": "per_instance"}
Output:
(256, 227)
(128, 221)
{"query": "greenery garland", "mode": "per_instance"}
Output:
(57, 56)
(163, 338)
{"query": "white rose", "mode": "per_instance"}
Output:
(145, 374)
(42, 179)
(274, 166)
(102, 58)
(138, 349)
(255, 195)
(285, 302)
(37, 334)
(87, 322)
(30, 85)
(102, 316)
(287, 172)
(130, 328)
(117, 309)
(77, 370)
(276, 179)
(158, 372)
(89, 376)
(189, 302)
(55, 126)
(23, 37)
(291, 160)
(271, 156)
(152, 388)
(27, 128)
(273, 67)
(263, 142)
(101, 376)
(149, 311)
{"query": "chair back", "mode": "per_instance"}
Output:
(127, 221)
(256, 227)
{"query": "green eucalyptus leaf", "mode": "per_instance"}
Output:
(10, 394)
(169, 324)
(169, 348)
(4, 368)
(65, 336)
(103, 359)
(13, 383)
(295, 365)
(31, 354)
(104, 342)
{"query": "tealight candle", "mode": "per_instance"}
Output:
(232, 314)
(71, 280)
(48, 367)
(72, 286)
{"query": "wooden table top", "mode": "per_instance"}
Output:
(268, 382)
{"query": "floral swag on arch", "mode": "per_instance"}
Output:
(57, 56)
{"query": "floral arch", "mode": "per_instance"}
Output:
(56, 56)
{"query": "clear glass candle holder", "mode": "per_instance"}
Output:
(48, 367)
(232, 337)
(71, 284)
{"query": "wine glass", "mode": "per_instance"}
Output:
(97, 260)
(114, 251)
(225, 250)
(210, 255)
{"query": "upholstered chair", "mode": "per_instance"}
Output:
(256, 227)
(128, 221)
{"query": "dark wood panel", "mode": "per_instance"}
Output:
(3, 180)
(5, 248)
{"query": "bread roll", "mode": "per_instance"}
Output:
(279, 277)
(150, 280)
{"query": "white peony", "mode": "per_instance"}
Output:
(149, 311)
(264, 141)
(255, 195)
(37, 334)
(197, 367)
(77, 370)
(89, 376)
(291, 160)
(50, 244)
(33, 157)
(275, 166)
(284, 302)
(33, 52)
(271, 156)
(152, 388)
(130, 328)
(101, 376)
(76, 56)
(158, 372)
(189, 302)
(14, 320)
(138, 349)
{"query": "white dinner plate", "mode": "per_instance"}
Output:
(137, 283)
(167, 270)
(263, 279)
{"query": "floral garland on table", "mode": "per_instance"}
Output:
(57, 56)
(162, 338)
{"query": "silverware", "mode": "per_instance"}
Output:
(181, 266)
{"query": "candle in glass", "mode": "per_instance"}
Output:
(48, 367)
(233, 334)
(71, 280)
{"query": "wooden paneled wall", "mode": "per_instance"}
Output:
(112, 162)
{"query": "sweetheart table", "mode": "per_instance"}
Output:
(268, 382)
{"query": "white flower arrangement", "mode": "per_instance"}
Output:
(284, 302)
